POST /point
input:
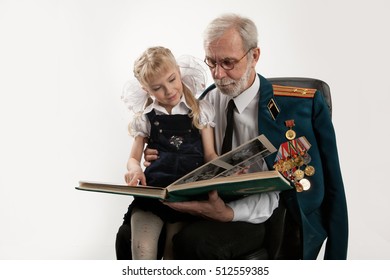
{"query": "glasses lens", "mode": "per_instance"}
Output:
(210, 63)
(227, 64)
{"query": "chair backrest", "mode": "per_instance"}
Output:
(305, 83)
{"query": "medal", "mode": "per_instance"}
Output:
(309, 170)
(298, 175)
(298, 161)
(292, 159)
(287, 165)
(298, 187)
(278, 166)
(305, 184)
(290, 134)
(306, 158)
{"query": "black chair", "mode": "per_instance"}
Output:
(283, 240)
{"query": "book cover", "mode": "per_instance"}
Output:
(236, 173)
(227, 187)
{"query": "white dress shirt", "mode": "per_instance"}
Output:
(254, 208)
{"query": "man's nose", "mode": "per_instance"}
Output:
(219, 72)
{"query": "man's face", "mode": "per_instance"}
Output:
(229, 48)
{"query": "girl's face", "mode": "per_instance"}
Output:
(166, 88)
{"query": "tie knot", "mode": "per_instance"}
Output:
(231, 105)
(230, 109)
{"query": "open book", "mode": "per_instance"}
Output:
(233, 174)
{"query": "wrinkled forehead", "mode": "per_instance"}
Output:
(228, 45)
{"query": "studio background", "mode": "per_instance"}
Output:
(62, 68)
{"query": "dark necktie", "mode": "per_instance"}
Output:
(227, 140)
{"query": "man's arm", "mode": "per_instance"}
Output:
(214, 208)
(256, 208)
(252, 209)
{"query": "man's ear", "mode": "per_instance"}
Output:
(256, 54)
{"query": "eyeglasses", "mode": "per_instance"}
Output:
(227, 64)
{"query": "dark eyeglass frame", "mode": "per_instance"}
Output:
(233, 62)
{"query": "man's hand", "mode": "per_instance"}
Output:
(214, 208)
(149, 156)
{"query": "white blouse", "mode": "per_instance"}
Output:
(140, 125)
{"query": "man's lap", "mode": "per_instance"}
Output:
(217, 240)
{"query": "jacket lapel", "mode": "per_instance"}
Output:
(268, 121)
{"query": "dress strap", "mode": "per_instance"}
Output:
(151, 115)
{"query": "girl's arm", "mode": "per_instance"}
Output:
(208, 143)
(135, 172)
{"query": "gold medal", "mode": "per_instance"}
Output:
(298, 187)
(278, 167)
(288, 165)
(298, 175)
(290, 134)
(298, 161)
(310, 170)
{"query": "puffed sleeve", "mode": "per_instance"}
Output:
(139, 126)
(207, 113)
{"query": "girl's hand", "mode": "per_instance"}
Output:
(135, 176)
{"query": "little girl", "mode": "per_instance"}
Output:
(170, 119)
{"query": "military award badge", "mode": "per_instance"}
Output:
(292, 159)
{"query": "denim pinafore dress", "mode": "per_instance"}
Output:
(180, 150)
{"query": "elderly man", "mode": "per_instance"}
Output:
(231, 229)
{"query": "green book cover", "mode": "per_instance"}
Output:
(230, 187)
(236, 173)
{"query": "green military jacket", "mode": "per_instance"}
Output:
(321, 211)
(322, 208)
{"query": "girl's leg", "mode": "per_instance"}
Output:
(171, 229)
(145, 232)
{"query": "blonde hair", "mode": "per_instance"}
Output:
(157, 60)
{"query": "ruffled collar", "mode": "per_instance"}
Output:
(182, 105)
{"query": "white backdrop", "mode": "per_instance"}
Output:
(62, 68)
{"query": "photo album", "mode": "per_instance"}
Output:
(236, 173)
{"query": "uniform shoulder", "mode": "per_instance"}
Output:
(293, 91)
